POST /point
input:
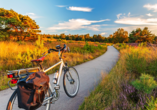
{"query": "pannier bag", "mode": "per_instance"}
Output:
(31, 92)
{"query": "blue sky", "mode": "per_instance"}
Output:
(87, 16)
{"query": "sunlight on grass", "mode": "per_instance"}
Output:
(16, 55)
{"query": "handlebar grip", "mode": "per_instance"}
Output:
(49, 51)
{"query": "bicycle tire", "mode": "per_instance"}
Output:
(13, 98)
(71, 81)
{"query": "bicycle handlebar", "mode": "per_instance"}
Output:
(57, 50)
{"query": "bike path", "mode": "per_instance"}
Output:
(90, 75)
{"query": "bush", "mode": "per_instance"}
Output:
(39, 43)
(152, 68)
(146, 83)
(89, 48)
(151, 104)
(58, 39)
(136, 64)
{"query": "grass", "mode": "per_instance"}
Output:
(118, 89)
(16, 55)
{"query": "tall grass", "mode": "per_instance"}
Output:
(16, 55)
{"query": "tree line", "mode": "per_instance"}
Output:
(119, 36)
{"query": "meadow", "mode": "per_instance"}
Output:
(130, 85)
(16, 55)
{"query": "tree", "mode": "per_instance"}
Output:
(120, 36)
(141, 36)
(11, 21)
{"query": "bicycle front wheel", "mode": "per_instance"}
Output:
(71, 82)
(13, 102)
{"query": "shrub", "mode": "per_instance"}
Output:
(39, 43)
(152, 68)
(58, 39)
(89, 48)
(146, 83)
(99, 46)
(136, 64)
(151, 104)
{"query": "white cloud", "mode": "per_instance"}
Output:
(76, 24)
(103, 33)
(149, 14)
(118, 16)
(151, 7)
(136, 21)
(61, 6)
(84, 9)
(152, 20)
(33, 15)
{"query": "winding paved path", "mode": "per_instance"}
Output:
(90, 74)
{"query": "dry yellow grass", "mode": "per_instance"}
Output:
(16, 55)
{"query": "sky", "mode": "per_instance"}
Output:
(87, 16)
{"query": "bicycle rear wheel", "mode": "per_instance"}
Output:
(71, 82)
(13, 102)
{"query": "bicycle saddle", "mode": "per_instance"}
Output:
(39, 59)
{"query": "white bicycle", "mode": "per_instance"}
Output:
(71, 80)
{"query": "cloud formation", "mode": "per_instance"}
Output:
(103, 33)
(149, 14)
(77, 24)
(151, 7)
(84, 9)
(136, 20)
(118, 16)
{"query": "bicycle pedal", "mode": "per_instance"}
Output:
(57, 87)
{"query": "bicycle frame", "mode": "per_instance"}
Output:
(61, 63)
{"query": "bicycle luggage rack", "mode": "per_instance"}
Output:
(21, 72)
(24, 71)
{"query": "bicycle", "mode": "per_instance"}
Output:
(70, 77)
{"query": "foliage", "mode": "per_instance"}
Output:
(14, 24)
(139, 35)
(151, 104)
(39, 43)
(89, 48)
(146, 83)
(136, 64)
(120, 36)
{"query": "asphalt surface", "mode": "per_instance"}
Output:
(90, 75)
